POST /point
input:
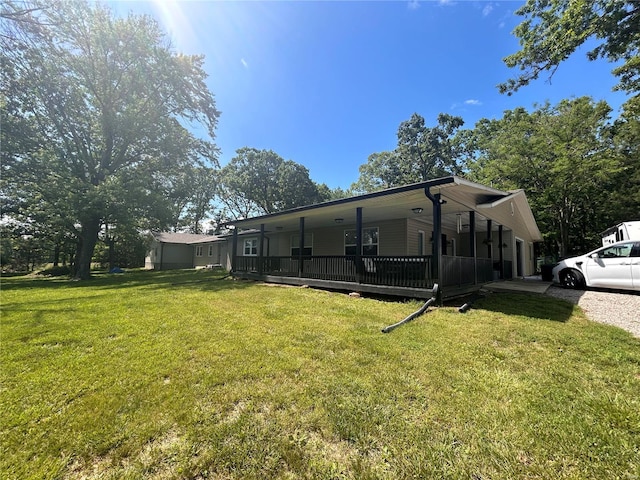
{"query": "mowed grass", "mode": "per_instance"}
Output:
(180, 375)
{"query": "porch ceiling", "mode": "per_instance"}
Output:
(461, 196)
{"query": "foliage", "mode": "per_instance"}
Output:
(95, 111)
(180, 375)
(258, 182)
(422, 153)
(625, 197)
(123, 249)
(563, 157)
(554, 29)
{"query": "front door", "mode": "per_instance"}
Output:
(519, 260)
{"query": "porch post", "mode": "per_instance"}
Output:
(489, 251)
(301, 247)
(472, 245)
(358, 245)
(234, 249)
(500, 252)
(261, 249)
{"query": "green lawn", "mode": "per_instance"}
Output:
(179, 375)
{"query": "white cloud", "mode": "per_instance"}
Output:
(413, 4)
(487, 9)
(244, 63)
(473, 101)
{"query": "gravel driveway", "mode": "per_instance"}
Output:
(612, 308)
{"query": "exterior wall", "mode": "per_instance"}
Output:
(172, 256)
(392, 239)
(217, 257)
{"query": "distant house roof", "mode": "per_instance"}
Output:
(185, 238)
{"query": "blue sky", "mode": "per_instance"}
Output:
(326, 84)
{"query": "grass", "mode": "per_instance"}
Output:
(166, 375)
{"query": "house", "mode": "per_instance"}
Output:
(401, 241)
(170, 251)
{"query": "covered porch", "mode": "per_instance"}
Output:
(402, 241)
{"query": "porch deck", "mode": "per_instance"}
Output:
(407, 276)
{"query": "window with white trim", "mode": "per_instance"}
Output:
(198, 250)
(210, 252)
(369, 242)
(308, 245)
(250, 247)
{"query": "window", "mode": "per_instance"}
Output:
(251, 247)
(210, 253)
(420, 242)
(308, 245)
(618, 251)
(369, 241)
(198, 250)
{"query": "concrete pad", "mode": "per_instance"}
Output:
(526, 286)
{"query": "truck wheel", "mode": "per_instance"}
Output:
(572, 279)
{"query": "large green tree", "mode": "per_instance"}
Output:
(625, 198)
(422, 153)
(258, 182)
(563, 157)
(95, 108)
(554, 29)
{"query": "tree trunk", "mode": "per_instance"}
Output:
(56, 255)
(112, 253)
(88, 240)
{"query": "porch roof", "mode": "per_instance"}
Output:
(461, 196)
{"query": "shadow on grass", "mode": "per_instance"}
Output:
(205, 280)
(536, 306)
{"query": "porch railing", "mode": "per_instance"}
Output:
(398, 271)
(405, 271)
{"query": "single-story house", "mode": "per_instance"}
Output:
(400, 241)
(187, 250)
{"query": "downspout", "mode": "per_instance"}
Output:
(436, 200)
(417, 313)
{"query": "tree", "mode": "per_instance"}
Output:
(554, 29)
(422, 153)
(563, 157)
(625, 198)
(96, 107)
(258, 182)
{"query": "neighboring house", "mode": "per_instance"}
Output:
(186, 250)
(401, 241)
